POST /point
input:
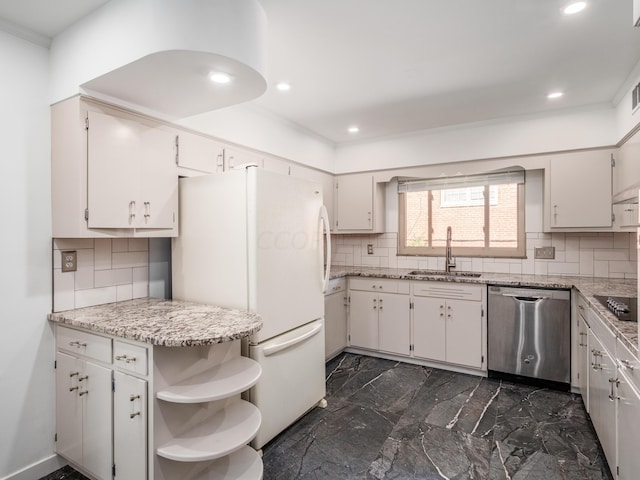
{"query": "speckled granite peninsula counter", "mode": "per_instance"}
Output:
(169, 323)
(627, 332)
(162, 381)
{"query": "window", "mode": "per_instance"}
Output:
(485, 213)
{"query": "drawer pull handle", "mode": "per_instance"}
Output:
(125, 358)
(85, 392)
(77, 344)
(71, 389)
(134, 397)
(627, 364)
(74, 374)
(86, 377)
(133, 415)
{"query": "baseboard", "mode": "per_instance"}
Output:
(38, 469)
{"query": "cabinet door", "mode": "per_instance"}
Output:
(580, 190)
(394, 323)
(429, 328)
(354, 202)
(199, 153)
(463, 344)
(68, 408)
(628, 430)
(130, 427)
(601, 408)
(113, 169)
(363, 319)
(95, 390)
(157, 203)
(335, 323)
(583, 360)
(132, 181)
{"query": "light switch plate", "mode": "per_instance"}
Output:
(69, 261)
(369, 248)
(544, 253)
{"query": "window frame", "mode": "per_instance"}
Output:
(484, 252)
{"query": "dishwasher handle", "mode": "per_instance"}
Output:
(529, 299)
(526, 298)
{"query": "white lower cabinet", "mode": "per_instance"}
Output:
(612, 394)
(129, 426)
(449, 323)
(128, 410)
(335, 317)
(601, 407)
(379, 315)
(83, 414)
(628, 428)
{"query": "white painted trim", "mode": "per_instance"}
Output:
(39, 469)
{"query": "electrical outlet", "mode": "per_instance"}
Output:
(370, 249)
(545, 253)
(69, 261)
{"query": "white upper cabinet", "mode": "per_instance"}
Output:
(358, 204)
(113, 173)
(578, 191)
(132, 181)
(200, 153)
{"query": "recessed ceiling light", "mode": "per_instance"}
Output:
(283, 86)
(553, 95)
(220, 78)
(353, 129)
(574, 7)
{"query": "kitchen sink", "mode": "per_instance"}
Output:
(440, 273)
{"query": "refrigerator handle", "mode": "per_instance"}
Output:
(324, 215)
(271, 349)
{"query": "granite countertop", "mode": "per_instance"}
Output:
(169, 323)
(627, 332)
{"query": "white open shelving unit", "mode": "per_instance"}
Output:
(201, 425)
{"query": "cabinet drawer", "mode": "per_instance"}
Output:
(132, 358)
(629, 362)
(371, 284)
(84, 343)
(448, 290)
(600, 330)
(336, 285)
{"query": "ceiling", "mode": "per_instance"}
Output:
(398, 66)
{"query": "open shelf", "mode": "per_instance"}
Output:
(245, 464)
(225, 432)
(223, 381)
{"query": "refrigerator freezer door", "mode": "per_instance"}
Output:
(285, 267)
(209, 258)
(292, 381)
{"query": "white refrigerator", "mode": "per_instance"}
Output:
(256, 240)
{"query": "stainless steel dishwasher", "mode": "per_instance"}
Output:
(529, 335)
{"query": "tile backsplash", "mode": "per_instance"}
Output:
(611, 255)
(108, 270)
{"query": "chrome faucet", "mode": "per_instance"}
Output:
(449, 263)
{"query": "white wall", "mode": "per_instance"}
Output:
(26, 343)
(564, 130)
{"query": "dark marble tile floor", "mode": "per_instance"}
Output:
(65, 473)
(392, 420)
